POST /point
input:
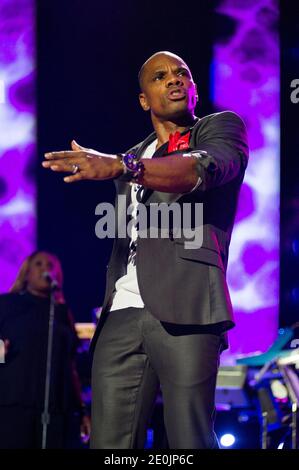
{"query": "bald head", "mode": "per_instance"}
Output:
(167, 88)
(153, 57)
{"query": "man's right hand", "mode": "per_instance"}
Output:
(84, 164)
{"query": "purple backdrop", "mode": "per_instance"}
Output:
(17, 136)
(246, 80)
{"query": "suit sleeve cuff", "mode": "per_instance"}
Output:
(203, 161)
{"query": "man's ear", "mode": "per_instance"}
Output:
(143, 102)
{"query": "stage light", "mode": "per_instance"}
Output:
(279, 390)
(227, 440)
(149, 439)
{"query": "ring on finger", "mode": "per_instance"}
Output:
(75, 169)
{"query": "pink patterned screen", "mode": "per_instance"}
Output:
(17, 136)
(246, 80)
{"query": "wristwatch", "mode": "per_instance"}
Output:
(133, 167)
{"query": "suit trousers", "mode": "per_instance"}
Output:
(134, 354)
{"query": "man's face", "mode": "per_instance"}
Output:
(168, 89)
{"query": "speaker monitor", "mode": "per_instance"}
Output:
(231, 386)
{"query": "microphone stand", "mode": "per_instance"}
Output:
(45, 419)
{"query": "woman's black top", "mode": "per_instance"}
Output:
(24, 320)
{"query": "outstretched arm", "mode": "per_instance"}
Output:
(220, 155)
(173, 174)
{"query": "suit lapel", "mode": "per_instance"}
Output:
(123, 199)
(157, 196)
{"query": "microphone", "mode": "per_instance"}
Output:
(49, 278)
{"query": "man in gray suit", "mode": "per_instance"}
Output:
(167, 307)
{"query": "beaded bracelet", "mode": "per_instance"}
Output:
(133, 168)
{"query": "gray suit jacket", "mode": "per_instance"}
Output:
(177, 284)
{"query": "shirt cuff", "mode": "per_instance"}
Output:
(198, 183)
